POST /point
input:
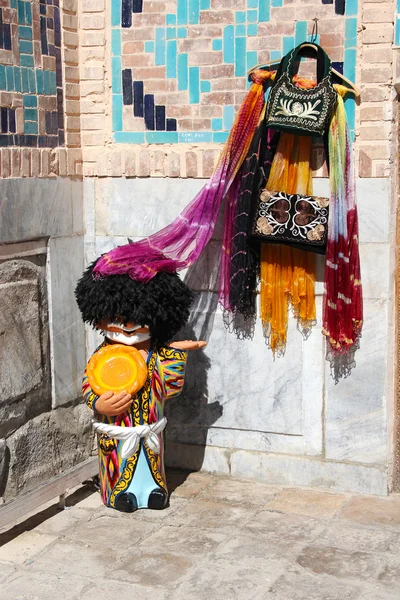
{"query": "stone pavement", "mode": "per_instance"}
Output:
(220, 539)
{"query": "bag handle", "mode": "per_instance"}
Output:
(324, 65)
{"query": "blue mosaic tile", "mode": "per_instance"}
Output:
(240, 57)
(251, 59)
(220, 137)
(182, 32)
(194, 85)
(138, 99)
(171, 33)
(17, 79)
(205, 87)
(30, 101)
(301, 32)
(351, 7)
(26, 47)
(117, 112)
(277, 3)
(129, 137)
(252, 3)
(30, 127)
(116, 67)
(397, 32)
(216, 124)
(25, 33)
(26, 60)
(31, 114)
(171, 57)
(264, 10)
(182, 12)
(195, 137)
(229, 46)
(229, 116)
(183, 72)
(240, 30)
(288, 44)
(205, 4)
(162, 137)
(160, 46)
(252, 16)
(10, 78)
(194, 12)
(3, 80)
(217, 44)
(171, 19)
(252, 29)
(116, 46)
(240, 17)
(149, 112)
(149, 46)
(115, 12)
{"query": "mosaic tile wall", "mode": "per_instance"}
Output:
(179, 74)
(31, 93)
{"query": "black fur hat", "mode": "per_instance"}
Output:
(163, 303)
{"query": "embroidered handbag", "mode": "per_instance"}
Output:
(301, 111)
(294, 219)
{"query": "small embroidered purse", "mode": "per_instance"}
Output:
(294, 219)
(301, 111)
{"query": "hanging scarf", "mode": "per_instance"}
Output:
(179, 244)
(287, 274)
(342, 308)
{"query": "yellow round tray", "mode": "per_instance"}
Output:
(116, 368)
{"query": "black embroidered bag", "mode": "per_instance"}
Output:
(301, 111)
(293, 219)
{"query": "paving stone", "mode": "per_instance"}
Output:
(42, 586)
(176, 505)
(6, 569)
(307, 502)
(187, 485)
(383, 511)
(101, 590)
(188, 541)
(234, 491)
(299, 585)
(63, 520)
(108, 532)
(378, 594)
(160, 569)
(67, 557)
(389, 575)
(290, 528)
(354, 537)
(211, 514)
(340, 564)
(25, 547)
(91, 501)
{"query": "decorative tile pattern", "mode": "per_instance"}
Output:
(31, 74)
(180, 76)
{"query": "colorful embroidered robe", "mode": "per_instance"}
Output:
(166, 372)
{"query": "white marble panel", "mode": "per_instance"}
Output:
(140, 207)
(194, 457)
(291, 470)
(376, 270)
(34, 208)
(66, 328)
(356, 407)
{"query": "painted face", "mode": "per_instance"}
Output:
(124, 333)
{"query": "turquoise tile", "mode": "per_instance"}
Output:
(129, 137)
(25, 47)
(30, 101)
(182, 12)
(171, 33)
(252, 29)
(171, 19)
(194, 137)
(240, 57)
(264, 10)
(32, 81)
(229, 46)
(252, 3)
(314, 38)
(116, 69)
(217, 44)
(10, 78)
(276, 3)
(240, 16)
(216, 124)
(194, 85)
(252, 60)
(252, 16)
(31, 114)
(171, 59)
(205, 86)
(160, 46)
(351, 7)
(161, 137)
(194, 12)
(397, 33)
(21, 13)
(350, 108)
(349, 67)
(13, 3)
(288, 44)
(182, 32)
(3, 80)
(300, 32)
(350, 28)
(229, 117)
(116, 48)
(115, 13)
(28, 13)
(183, 72)
(350, 43)
(24, 80)
(26, 60)
(117, 112)
(220, 137)
(17, 79)
(53, 82)
(205, 4)
(149, 46)
(240, 30)
(275, 55)
(39, 81)
(30, 128)
(398, 6)
(25, 33)
(46, 82)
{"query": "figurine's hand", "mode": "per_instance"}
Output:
(188, 345)
(111, 404)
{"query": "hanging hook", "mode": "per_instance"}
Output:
(314, 32)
